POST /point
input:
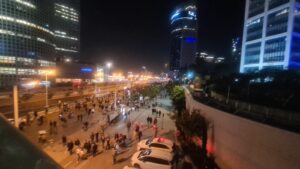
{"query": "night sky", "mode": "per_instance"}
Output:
(136, 33)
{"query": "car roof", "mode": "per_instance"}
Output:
(160, 154)
(162, 141)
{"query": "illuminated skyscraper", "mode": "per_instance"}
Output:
(271, 38)
(29, 40)
(183, 36)
(26, 39)
(67, 29)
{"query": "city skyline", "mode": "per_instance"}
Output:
(136, 32)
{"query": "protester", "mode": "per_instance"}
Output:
(70, 146)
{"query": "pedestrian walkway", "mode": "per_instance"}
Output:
(166, 128)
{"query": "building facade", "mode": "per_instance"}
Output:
(183, 36)
(67, 30)
(236, 54)
(27, 40)
(271, 38)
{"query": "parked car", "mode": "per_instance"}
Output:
(152, 159)
(22, 121)
(126, 167)
(156, 143)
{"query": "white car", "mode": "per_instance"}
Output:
(126, 167)
(21, 121)
(152, 159)
(157, 144)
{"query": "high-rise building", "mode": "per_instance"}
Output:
(28, 41)
(271, 38)
(235, 54)
(183, 36)
(66, 26)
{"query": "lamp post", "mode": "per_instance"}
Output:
(47, 104)
(46, 73)
(108, 66)
(16, 106)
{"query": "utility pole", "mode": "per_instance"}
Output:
(115, 100)
(228, 95)
(16, 106)
(46, 90)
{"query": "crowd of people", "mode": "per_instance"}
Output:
(81, 112)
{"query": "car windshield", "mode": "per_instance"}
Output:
(144, 153)
(148, 141)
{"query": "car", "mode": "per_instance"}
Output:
(126, 167)
(22, 121)
(156, 143)
(152, 159)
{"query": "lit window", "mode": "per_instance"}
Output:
(28, 4)
(27, 72)
(7, 59)
(7, 70)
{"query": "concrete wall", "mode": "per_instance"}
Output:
(240, 143)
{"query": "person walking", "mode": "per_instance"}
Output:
(114, 155)
(70, 147)
(77, 142)
(51, 127)
(107, 143)
(92, 136)
(155, 130)
(89, 147)
(97, 137)
(140, 134)
(35, 113)
(94, 149)
(85, 145)
(64, 140)
(155, 121)
(128, 126)
(102, 141)
(148, 121)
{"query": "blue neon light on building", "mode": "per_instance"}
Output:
(86, 70)
(190, 40)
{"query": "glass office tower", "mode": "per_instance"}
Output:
(271, 38)
(183, 36)
(32, 37)
(26, 40)
(67, 30)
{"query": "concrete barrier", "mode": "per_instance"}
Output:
(239, 143)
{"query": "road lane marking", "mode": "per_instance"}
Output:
(66, 165)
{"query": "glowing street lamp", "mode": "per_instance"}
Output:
(108, 65)
(46, 73)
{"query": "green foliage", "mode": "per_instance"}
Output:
(192, 124)
(178, 98)
(151, 91)
(169, 87)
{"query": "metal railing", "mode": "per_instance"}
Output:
(275, 117)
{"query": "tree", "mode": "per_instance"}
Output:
(178, 99)
(194, 125)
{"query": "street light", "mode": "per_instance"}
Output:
(108, 65)
(46, 73)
